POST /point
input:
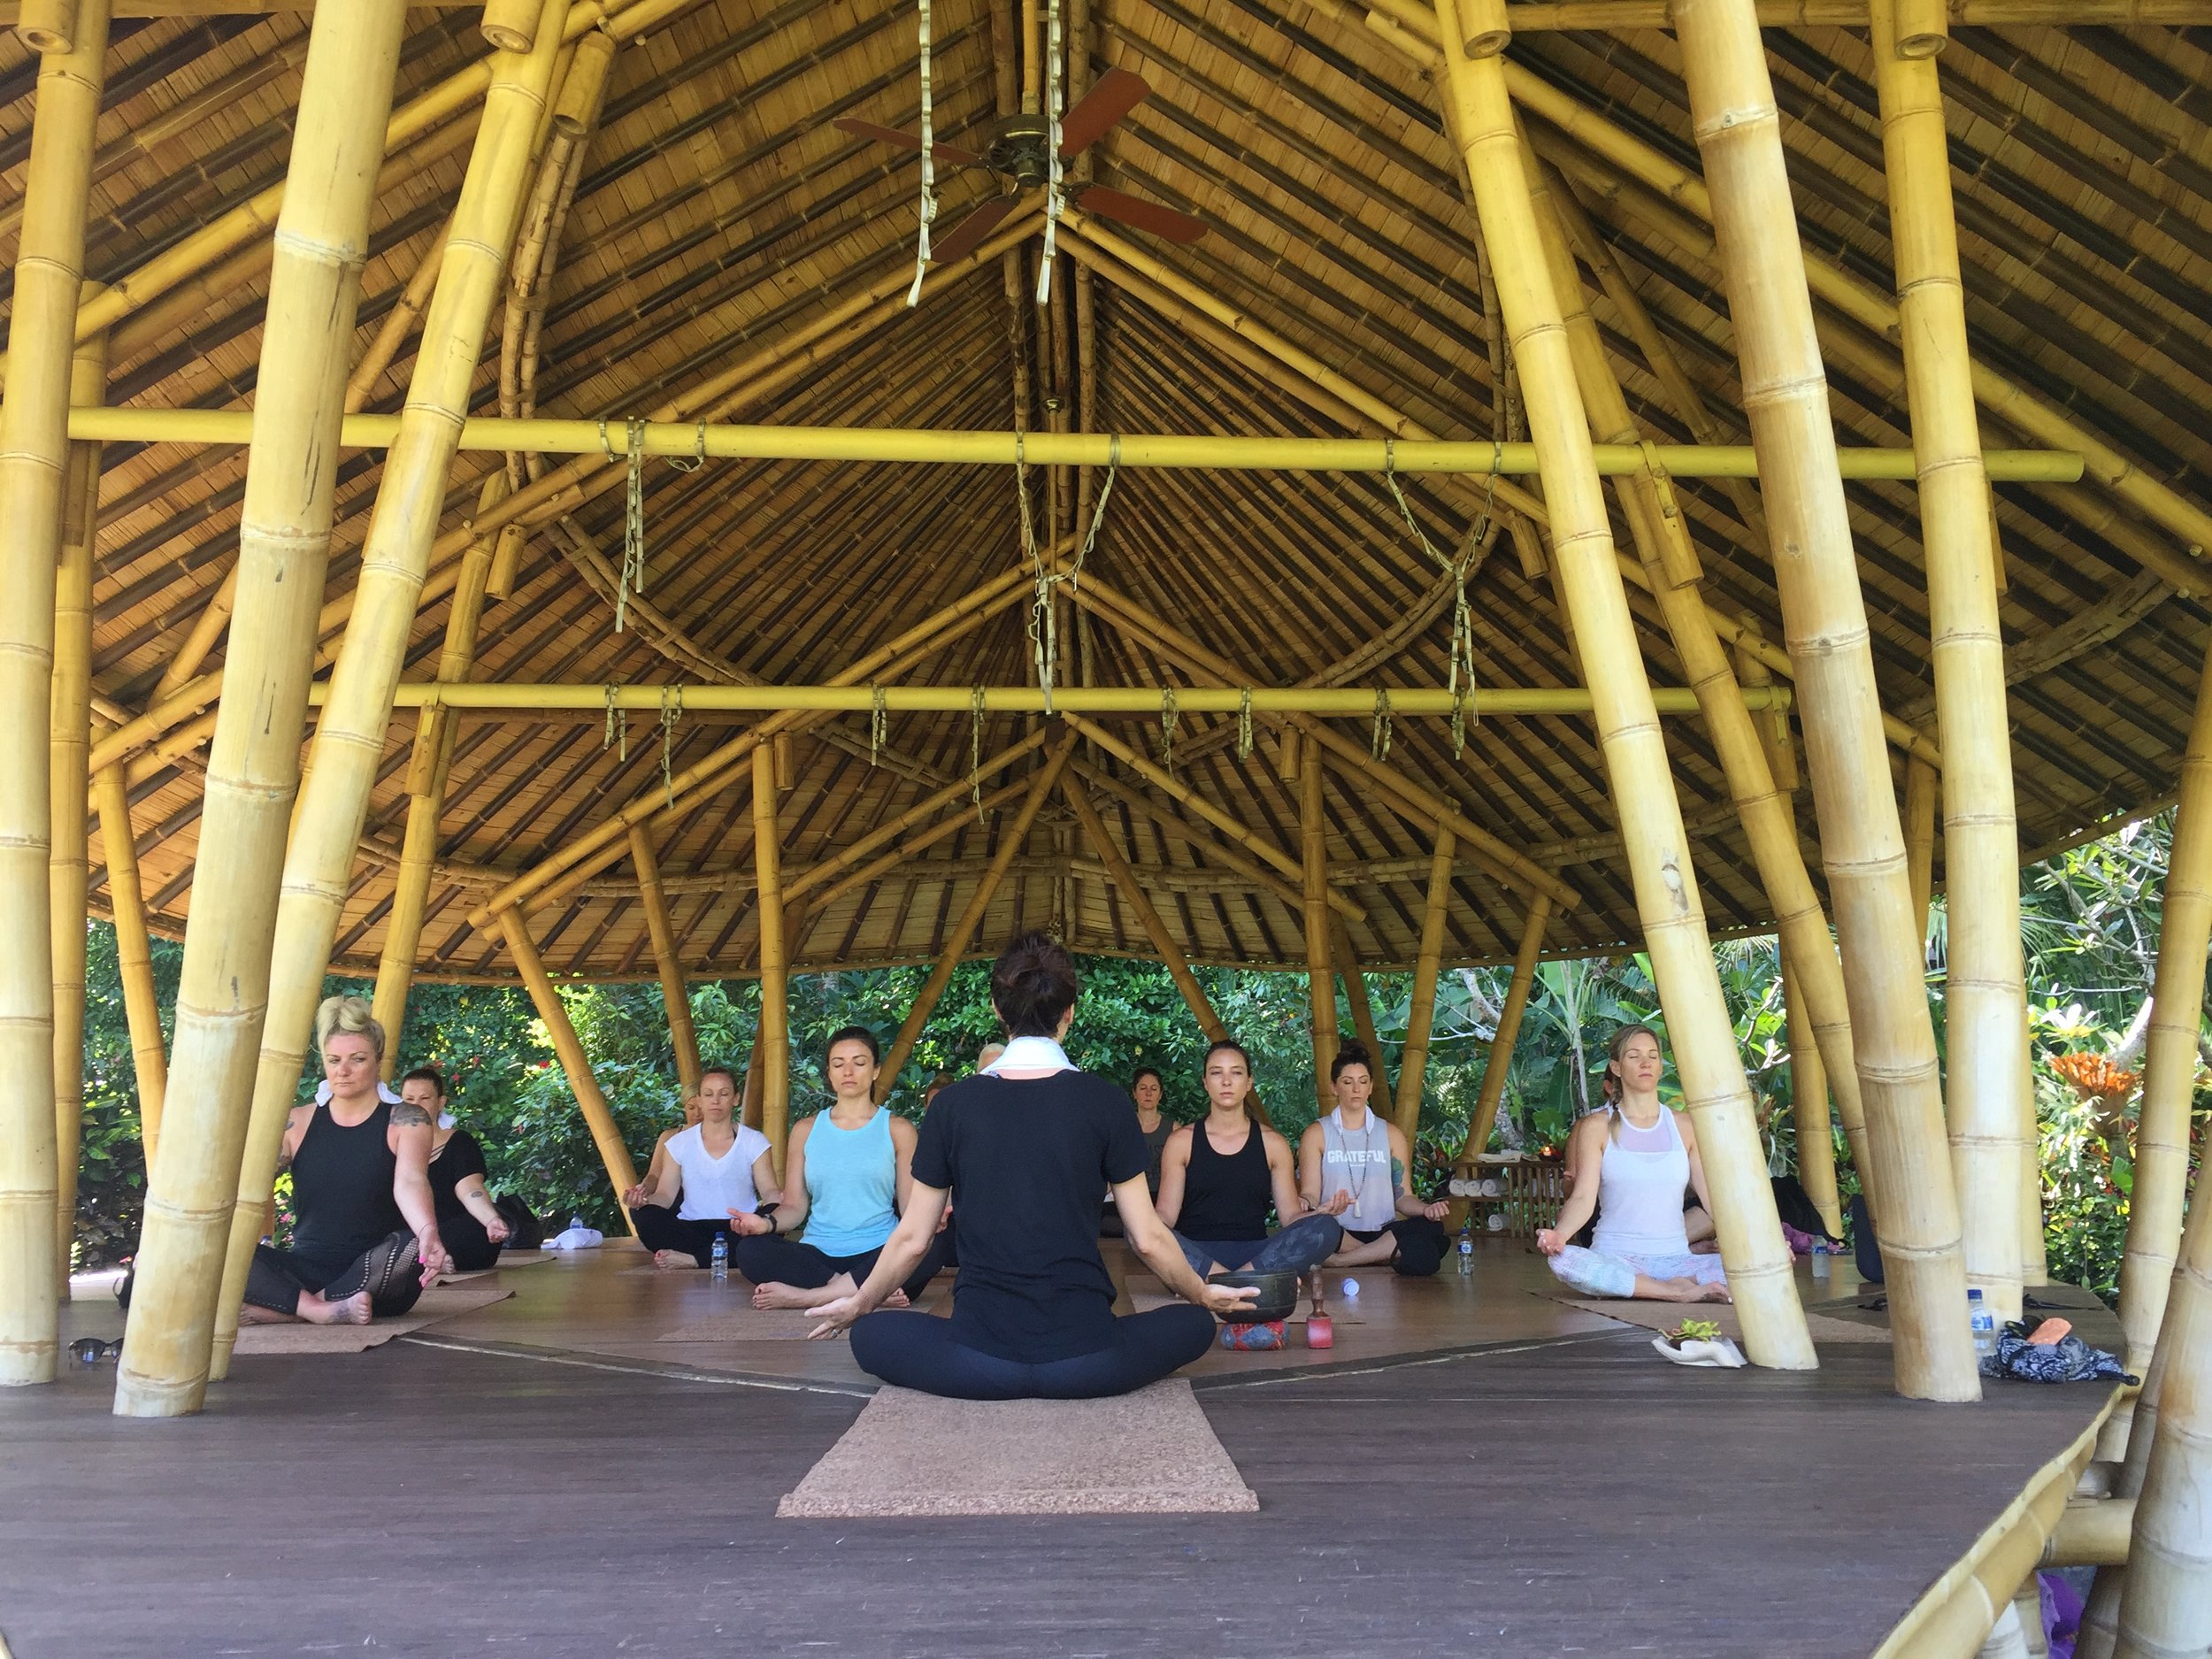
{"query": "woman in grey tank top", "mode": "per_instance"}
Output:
(1360, 1155)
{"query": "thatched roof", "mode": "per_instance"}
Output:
(719, 210)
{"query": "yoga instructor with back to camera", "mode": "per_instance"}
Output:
(1024, 1148)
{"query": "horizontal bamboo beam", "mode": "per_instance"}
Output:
(610, 438)
(1534, 19)
(1344, 703)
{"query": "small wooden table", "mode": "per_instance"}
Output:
(1529, 1192)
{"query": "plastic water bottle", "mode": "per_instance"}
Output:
(1984, 1324)
(720, 1260)
(1820, 1258)
(1467, 1249)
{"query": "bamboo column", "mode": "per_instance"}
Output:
(773, 1053)
(1320, 980)
(349, 742)
(1921, 785)
(2035, 1266)
(1507, 1032)
(1745, 750)
(33, 467)
(1984, 994)
(667, 959)
(284, 539)
(69, 738)
(1355, 998)
(134, 955)
(962, 932)
(426, 771)
(568, 1048)
(1706, 1060)
(50, 27)
(1808, 1106)
(1786, 396)
(1413, 1059)
(2169, 1058)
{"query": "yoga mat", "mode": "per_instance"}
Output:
(441, 1300)
(1664, 1315)
(907, 1454)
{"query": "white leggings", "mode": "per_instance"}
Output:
(1603, 1273)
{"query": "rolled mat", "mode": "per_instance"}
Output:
(907, 1454)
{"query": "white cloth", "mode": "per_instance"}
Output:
(1639, 1192)
(385, 1092)
(576, 1239)
(715, 1186)
(1031, 1054)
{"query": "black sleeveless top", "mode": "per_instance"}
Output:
(1226, 1197)
(341, 1187)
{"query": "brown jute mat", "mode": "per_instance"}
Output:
(441, 1302)
(1664, 1315)
(907, 1454)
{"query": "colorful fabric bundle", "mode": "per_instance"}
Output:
(1254, 1338)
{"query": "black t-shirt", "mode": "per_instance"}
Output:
(458, 1159)
(1024, 1159)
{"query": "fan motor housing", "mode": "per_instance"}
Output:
(1020, 149)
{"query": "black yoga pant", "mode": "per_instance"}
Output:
(387, 1269)
(767, 1260)
(1298, 1249)
(660, 1228)
(921, 1351)
(468, 1244)
(1422, 1244)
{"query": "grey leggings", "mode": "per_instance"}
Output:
(1298, 1249)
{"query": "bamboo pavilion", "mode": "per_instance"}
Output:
(1338, 487)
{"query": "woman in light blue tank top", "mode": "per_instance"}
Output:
(845, 1179)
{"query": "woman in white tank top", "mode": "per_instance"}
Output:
(1631, 1164)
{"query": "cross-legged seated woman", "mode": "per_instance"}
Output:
(471, 1226)
(366, 1240)
(1219, 1176)
(1357, 1152)
(1632, 1161)
(845, 1180)
(719, 1168)
(1024, 1152)
(1147, 1088)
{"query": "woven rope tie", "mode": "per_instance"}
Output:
(1055, 197)
(879, 723)
(1244, 725)
(975, 751)
(929, 173)
(1169, 717)
(1380, 743)
(672, 711)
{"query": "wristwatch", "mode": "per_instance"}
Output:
(767, 1213)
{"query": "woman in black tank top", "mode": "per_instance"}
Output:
(1219, 1177)
(366, 1240)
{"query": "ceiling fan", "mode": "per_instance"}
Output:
(1019, 156)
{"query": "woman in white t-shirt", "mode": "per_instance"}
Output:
(717, 1167)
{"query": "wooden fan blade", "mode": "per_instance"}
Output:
(1134, 211)
(1114, 94)
(952, 154)
(964, 238)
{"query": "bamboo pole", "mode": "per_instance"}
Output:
(1786, 396)
(1921, 785)
(283, 544)
(568, 1048)
(349, 742)
(1808, 1106)
(1355, 998)
(199, 640)
(50, 27)
(68, 743)
(1320, 977)
(2035, 1266)
(898, 858)
(33, 478)
(134, 955)
(1986, 994)
(392, 332)
(1586, 568)
(1499, 1062)
(1413, 1059)
(510, 25)
(1671, 564)
(963, 933)
(2169, 1059)
(1468, 460)
(774, 1052)
(667, 957)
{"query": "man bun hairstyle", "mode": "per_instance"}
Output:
(348, 1016)
(1034, 984)
(1351, 1051)
(854, 1033)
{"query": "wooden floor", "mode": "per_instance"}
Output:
(1473, 1470)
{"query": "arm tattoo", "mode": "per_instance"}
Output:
(1397, 1175)
(407, 1115)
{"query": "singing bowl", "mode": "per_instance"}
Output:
(1279, 1295)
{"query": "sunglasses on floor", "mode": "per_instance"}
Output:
(90, 1350)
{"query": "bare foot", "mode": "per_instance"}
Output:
(896, 1299)
(251, 1315)
(775, 1295)
(1718, 1292)
(352, 1310)
(669, 1260)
